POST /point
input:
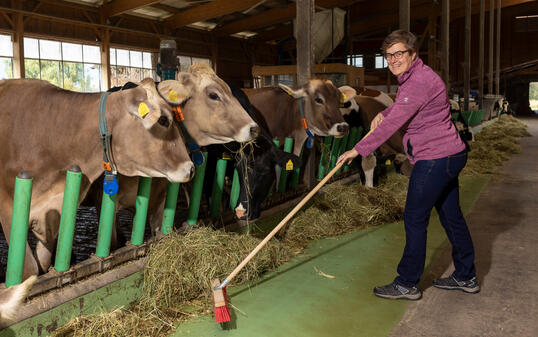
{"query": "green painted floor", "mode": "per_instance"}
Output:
(297, 301)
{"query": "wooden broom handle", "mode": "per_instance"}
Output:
(285, 220)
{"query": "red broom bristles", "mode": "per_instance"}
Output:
(220, 302)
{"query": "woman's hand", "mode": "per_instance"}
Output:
(347, 156)
(376, 121)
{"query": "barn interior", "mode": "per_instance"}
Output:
(484, 50)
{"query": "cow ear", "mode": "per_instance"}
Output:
(298, 93)
(347, 93)
(141, 102)
(282, 158)
(177, 91)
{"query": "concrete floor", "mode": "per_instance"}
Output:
(504, 227)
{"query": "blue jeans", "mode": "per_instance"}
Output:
(435, 183)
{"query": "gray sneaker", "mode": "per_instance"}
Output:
(395, 291)
(471, 286)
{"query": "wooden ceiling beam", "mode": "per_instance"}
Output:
(275, 16)
(118, 7)
(208, 11)
(278, 33)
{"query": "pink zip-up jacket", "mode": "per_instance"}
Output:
(422, 110)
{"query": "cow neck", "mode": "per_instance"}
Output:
(193, 147)
(300, 102)
(110, 184)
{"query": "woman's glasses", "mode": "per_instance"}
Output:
(396, 55)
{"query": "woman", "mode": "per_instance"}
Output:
(433, 145)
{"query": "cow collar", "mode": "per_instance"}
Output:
(310, 139)
(110, 183)
(196, 154)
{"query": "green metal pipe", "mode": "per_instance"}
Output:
(288, 145)
(296, 171)
(350, 144)
(342, 148)
(106, 223)
(170, 205)
(141, 213)
(324, 160)
(196, 192)
(218, 185)
(334, 152)
(270, 193)
(67, 220)
(19, 228)
(234, 192)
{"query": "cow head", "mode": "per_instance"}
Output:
(212, 114)
(322, 101)
(257, 174)
(145, 141)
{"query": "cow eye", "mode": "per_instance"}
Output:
(214, 96)
(164, 121)
(318, 100)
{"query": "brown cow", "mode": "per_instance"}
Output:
(362, 110)
(46, 129)
(12, 297)
(280, 108)
(212, 116)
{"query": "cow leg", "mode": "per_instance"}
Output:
(368, 165)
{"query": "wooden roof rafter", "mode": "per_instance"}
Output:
(208, 11)
(118, 7)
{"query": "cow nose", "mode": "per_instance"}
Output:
(344, 128)
(254, 130)
(193, 170)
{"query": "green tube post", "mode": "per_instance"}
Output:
(196, 192)
(141, 212)
(324, 160)
(19, 228)
(234, 192)
(296, 171)
(350, 143)
(68, 218)
(288, 145)
(218, 184)
(342, 148)
(334, 152)
(170, 205)
(106, 223)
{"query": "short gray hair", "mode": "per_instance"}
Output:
(407, 38)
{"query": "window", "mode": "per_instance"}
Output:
(129, 65)
(186, 61)
(380, 61)
(354, 60)
(6, 57)
(533, 96)
(70, 66)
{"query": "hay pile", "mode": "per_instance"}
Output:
(179, 268)
(342, 209)
(495, 144)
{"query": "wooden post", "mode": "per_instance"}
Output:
(445, 42)
(431, 36)
(18, 47)
(305, 66)
(105, 60)
(404, 15)
(490, 64)
(481, 56)
(467, 61)
(498, 56)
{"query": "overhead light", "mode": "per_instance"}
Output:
(527, 17)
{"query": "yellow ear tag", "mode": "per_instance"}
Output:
(226, 156)
(289, 165)
(172, 95)
(344, 97)
(388, 162)
(143, 109)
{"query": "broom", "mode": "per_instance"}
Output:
(220, 308)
